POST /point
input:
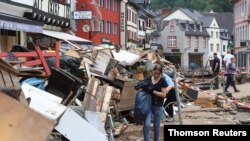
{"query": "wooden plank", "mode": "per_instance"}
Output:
(57, 54)
(112, 64)
(99, 97)
(92, 104)
(106, 102)
(24, 125)
(102, 61)
(32, 62)
(127, 101)
(89, 92)
(29, 54)
(7, 80)
(87, 69)
(15, 81)
(44, 63)
(2, 83)
(7, 67)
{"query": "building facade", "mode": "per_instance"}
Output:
(194, 39)
(104, 27)
(132, 24)
(184, 42)
(13, 26)
(242, 32)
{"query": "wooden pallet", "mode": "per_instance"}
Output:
(8, 79)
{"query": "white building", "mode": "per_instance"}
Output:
(214, 41)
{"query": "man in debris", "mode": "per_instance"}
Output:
(216, 70)
(231, 70)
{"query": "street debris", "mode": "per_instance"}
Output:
(92, 95)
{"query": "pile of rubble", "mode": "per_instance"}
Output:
(89, 96)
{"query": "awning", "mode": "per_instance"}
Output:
(65, 36)
(10, 22)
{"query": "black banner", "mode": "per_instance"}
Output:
(171, 131)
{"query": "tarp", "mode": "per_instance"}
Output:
(125, 57)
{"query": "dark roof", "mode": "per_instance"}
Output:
(193, 14)
(132, 3)
(139, 1)
(225, 20)
(191, 31)
(206, 21)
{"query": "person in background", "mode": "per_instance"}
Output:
(216, 70)
(158, 88)
(227, 58)
(231, 70)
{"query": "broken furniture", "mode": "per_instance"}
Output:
(64, 85)
(41, 57)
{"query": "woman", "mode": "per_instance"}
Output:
(158, 88)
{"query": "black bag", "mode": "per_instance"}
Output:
(142, 106)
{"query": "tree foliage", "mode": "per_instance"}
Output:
(200, 5)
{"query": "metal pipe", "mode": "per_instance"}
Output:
(178, 98)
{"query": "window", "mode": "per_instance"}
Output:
(115, 5)
(172, 41)
(115, 29)
(133, 17)
(212, 47)
(218, 47)
(102, 26)
(143, 25)
(204, 42)
(172, 27)
(217, 35)
(101, 3)
(195, 28)
(108, 27)
(224, 48)
(140, 24)
(200, 28)
(136, 18)
(212, 34)
(186, 26)
(129, 14)
(188, 41)
(196, 42)
(108, 4)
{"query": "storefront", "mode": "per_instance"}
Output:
(11, 28)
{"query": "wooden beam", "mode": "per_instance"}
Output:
(23, 125)
(44, 63)
(28, 54)
(106, 102)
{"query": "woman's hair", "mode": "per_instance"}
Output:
(157, 67)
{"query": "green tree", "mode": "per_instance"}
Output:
(200, 5)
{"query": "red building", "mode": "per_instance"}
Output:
(104, 27)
